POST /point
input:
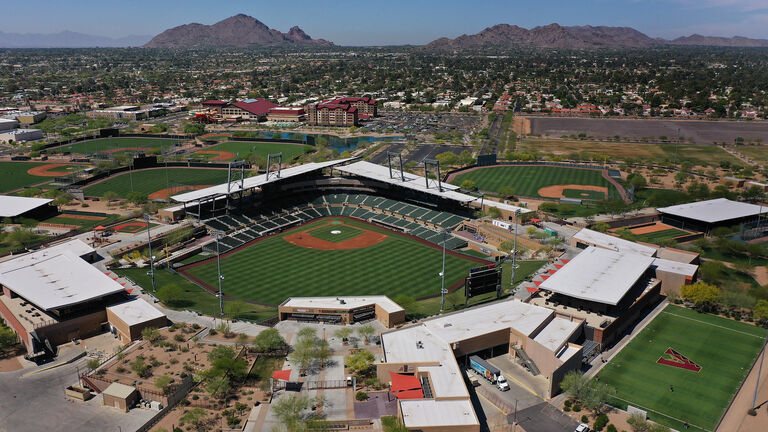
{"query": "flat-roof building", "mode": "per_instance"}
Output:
(129, 318)
(8, 124)
(283, 114)
(342, 310)
(33, 208)
(705, 215)
(20, 135)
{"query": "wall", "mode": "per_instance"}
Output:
(469, 346)
(12, 322)
(75, 328)
(574, 363)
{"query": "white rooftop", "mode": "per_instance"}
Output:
(675, 267)
(423, 413)
(349, 302)
(714, 210)
(135, 312)
(256, 181)
(617, 244)
(12, 206)
(556, 334)
(418, 183)
(598, 275)
(55, 277)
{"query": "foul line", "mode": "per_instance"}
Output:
(660, 413)
(713, 325)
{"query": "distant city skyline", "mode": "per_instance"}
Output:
(396, 23)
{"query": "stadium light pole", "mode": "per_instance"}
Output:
(760, 371)
(216, 235)
(514, 248)
(442, 276)
(151, 258)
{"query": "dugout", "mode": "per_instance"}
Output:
(342, 310)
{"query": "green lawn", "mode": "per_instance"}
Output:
(343, 233)
(527, 180)
(84, 224)
(271, 270)
(723, 348)
(111, 144)
(13, 175)
(152, 180)
(584, 194)
(659, 236)
(241, 148)
(195, 297)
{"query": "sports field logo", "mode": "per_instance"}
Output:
(674, 358)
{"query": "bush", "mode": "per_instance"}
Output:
(611, 428)
(600, 422)
(584, 419)
(576, 408)
(361, 396)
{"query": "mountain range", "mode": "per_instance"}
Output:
(68, 39)
(577, 37)
(236, 31)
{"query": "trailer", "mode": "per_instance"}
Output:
(489, 372)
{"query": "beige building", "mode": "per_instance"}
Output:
(120, 396)
(342, 310)
(128, 319)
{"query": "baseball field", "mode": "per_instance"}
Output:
(233, 150)
(684, 367)
(15, 175)
(116, 145)
(541, 181)
(329, 257)
(150, 181)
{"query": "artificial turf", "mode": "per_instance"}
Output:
(153, 180)
(658, 236)
(111, 144)
(273, 269)
(326, 233)
(724, 349)
(241, 148)
(527, 180)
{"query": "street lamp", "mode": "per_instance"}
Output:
(514, 248)
(151, 257)
(442, 276)
(216, 235)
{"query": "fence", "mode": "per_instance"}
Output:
(325, 384)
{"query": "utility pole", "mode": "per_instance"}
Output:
(442, 276)
(514, 249)
(151, 257)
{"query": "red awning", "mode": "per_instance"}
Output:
(538, 282)
(402, 382)
(545, 277)
(531, 289)
(410, 394)
(565, 261)
(552, 271)
(559, 266)
(534, 220)
(99, 228)
(284, 375)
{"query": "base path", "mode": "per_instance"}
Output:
(82, 217)
(165, 193)
(121, 149)
(306, 240)
(556, 191)
(49, 170)
(220, 155)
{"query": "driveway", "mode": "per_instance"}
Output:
(544, 418)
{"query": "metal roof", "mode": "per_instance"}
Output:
(614, 243)
(714, 210)
(12, 206)
(599, 275)
(120, 391)
(256, 181)
(336, 302)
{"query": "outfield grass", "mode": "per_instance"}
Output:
(83, 224)
(527, 180)
(659, 236)
(13, 175)
(241, 148)
(723, 348)
(152, 180)
(110, 144)
(271, 270)
(195, 297)
(584, 194)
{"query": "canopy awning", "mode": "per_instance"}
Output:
(283, 375)
(409, 394)
(531, 289)
(402, 382)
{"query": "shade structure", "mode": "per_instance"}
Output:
(409, 394)
(99, 228)
(402, 382)
(531, 289)
(283, 375)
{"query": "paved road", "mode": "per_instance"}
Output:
(544, 418)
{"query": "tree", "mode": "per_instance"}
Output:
(236, 308)
(405, 301)
(224, 361)
(242, 339)
(393, 424)
(218, 386)
(493, 212)
(292, 411)
(700, 293)
(507, 191)
(194, 128)
(268, 340)
(637, 180)
(163, 382)
(601, 227)
(170, 294)
(137, 197)
(589, 393)
(712, 271)
(93, 364)
(469, 185)
(193, 416)
(7, 337)
(753, 194)
(344, 333)
(761, 310)
(360, 362)
(366, 331)
(151, 334)
(141, 368)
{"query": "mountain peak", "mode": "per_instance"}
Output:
(236, 31)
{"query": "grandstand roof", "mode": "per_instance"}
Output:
(55, 277)
(256, 181)
(617, 244)
(599, 275)
(12, 206)
(714, 210)
(418, 183)
(349, 302)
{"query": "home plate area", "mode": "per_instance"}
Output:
(674, 358)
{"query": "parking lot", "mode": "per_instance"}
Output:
(425, 123)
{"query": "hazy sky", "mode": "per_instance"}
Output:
(389, 21)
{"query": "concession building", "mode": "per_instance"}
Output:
(342, 310)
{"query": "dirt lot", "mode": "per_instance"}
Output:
(702, 132)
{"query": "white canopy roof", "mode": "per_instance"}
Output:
(256, 181)
(617, 244)
(418, 183)
(12, 206)
(383, 302)
(714, 210)
(56, 277)
(598, 275)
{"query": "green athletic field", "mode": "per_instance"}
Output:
(152, 180)
(658, 236)
(101, 145)
(13, 175)
(241, 148)
(271, 270)
(343, 233)
(724, 349)
(527, 180)
(583, 194)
